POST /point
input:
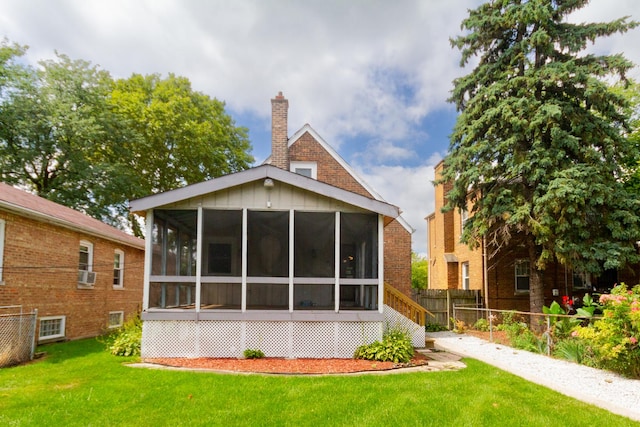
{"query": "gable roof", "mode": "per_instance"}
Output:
(259, 173)
(343, 163)
(40, 209)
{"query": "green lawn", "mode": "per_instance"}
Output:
(80, 384)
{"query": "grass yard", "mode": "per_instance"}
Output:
(80, 384)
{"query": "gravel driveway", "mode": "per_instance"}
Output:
(597, 387)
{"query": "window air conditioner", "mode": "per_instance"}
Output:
(87, 278)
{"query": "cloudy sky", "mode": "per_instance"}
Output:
(370, 76)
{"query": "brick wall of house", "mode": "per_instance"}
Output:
(397, 257)
(445, 230)
(307, 149)
(41, 270)
(397, 252)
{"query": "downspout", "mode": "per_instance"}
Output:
(485, 273)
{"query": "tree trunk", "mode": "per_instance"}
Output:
(536, 290)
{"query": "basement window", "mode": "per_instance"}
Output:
(51, 327)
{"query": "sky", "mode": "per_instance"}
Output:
(372, 77)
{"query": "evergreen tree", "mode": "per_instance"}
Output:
(540, 141)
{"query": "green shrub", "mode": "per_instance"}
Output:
(434, 327)
(481, 325)
(519, 334)
(612, 341)
(253, 354)
(395, 347)
(125, 341)
(570, 349)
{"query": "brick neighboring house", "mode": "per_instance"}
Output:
(307, 153)
(82, 275)
(502, 278)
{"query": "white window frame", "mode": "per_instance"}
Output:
(464, 217)
(2, 227)
(313, 166)
(62, 332)
(519, 273)
(120, 268)
(113, 325)
(465, 276)
(89, 246)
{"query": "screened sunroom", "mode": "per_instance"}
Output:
(263, 258)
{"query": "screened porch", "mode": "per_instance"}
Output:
(243, 260)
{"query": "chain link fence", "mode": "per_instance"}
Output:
(17, 335)
(539, 332)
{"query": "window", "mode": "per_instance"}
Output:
(2, 222)
(308, 169)
(86, 256)
(465, 276)
(118, 269)
(522, 275)
(116, 319)
(581, 280)
(51, 327)
(86, 276)
(464, 217)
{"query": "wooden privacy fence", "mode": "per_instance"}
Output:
(440, 302)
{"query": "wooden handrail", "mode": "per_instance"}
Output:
(405, 305)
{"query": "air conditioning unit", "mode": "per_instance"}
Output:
(86, 278)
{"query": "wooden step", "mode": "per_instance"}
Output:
(429, 343)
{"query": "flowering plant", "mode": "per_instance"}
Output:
(612, 341)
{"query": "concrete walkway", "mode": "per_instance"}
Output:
(597, 387)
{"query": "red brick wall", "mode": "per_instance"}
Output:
(279, 136)
(397, 257)
(397, 240)
(307, 149)
(41, 271)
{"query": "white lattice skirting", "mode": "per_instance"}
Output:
(395, 320)
(291, 339)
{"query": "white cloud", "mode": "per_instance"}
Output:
(409, 188)
(364, 74)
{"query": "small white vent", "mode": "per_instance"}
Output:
(86, 278)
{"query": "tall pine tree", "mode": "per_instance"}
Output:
(539, 142)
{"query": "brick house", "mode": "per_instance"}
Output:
(503, 277)
(273, 257)
(82, 275)
(307, 153)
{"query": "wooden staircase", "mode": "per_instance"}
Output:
(405, 305)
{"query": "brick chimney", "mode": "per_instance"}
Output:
(279, 137)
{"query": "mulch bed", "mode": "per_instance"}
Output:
(274, 365)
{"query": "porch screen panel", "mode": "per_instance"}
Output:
(219, 296)
(222, 243)
(314, 246)
(358, 246)
(268, 244)
(173, 242)
(172, 295)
